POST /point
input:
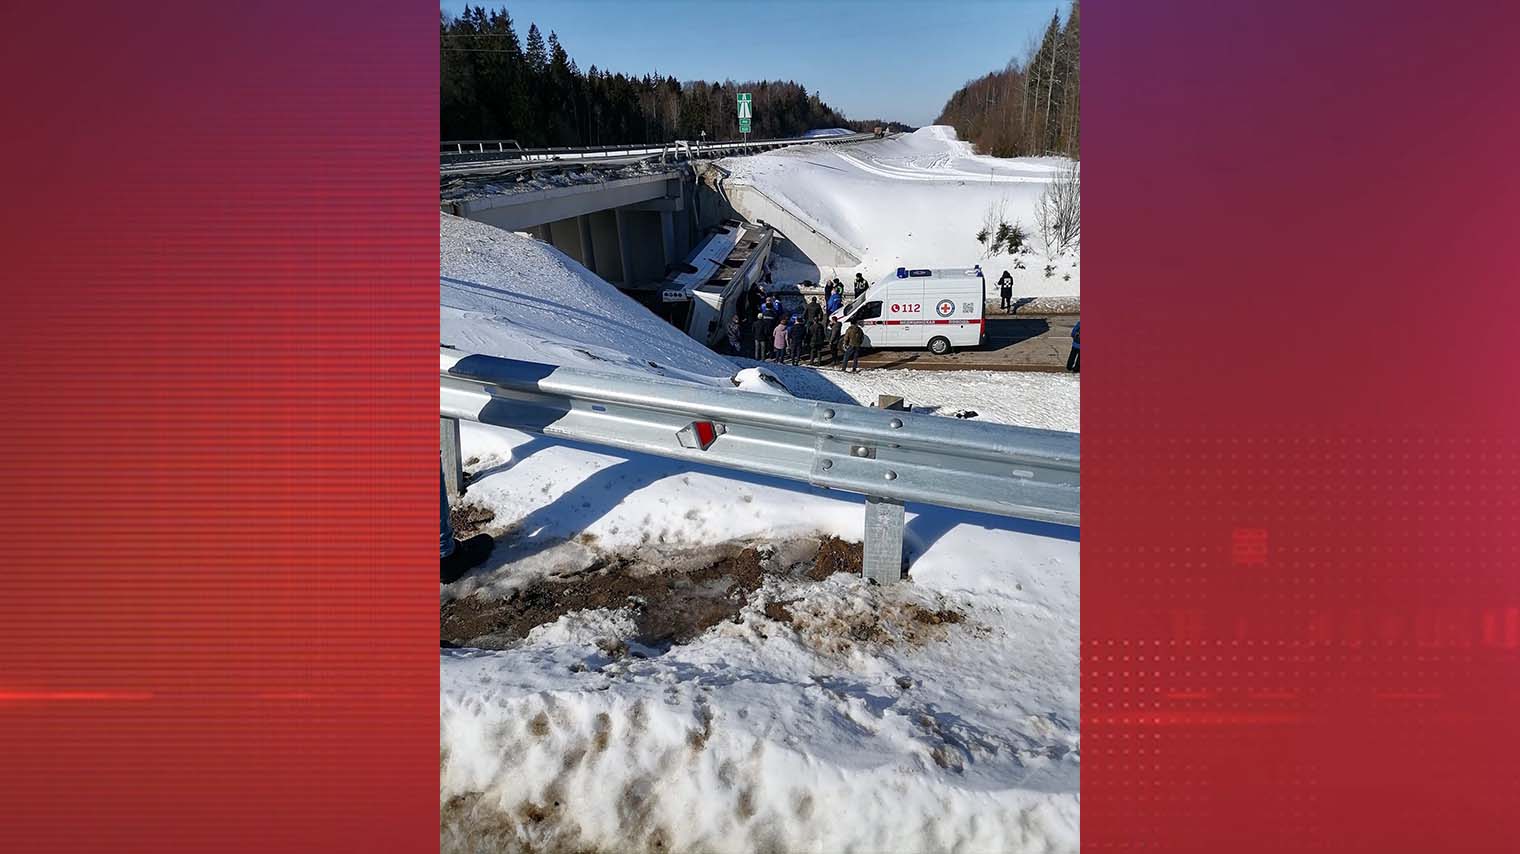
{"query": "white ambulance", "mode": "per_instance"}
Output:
(938, 309)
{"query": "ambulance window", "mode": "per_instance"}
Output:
(869, 311)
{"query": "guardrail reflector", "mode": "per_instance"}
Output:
(699, 434)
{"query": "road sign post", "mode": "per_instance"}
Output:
(746, 112)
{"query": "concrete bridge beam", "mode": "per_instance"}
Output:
(668, 236)
(625, 246)
(588, 253)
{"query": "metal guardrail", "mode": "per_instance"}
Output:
(888, 456)
(469, 151)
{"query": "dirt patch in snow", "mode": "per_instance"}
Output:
(835, 555)
(470, 519)
(670, 607)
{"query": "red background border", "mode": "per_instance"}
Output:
(217, 608)
(1300, 605)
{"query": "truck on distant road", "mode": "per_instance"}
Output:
(935, 308)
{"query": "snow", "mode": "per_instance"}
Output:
(914, 200)
(1050, 401)
(802, 736)
(505, 295)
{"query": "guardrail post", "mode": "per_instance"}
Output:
(453, 456)
(882, 557)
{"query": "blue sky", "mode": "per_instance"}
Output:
(888, 59)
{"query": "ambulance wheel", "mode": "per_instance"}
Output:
(939, 345)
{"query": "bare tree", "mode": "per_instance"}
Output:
(992, 222)
(1059, 212)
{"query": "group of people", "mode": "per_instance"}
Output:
(768, 331)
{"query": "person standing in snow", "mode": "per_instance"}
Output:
(812, 311)
(732, 328)
(1074, 358)
(860, 284)
(757, 333)
(853, 338)
(835, 302)
(1005, 290)
(778, 342)
(796, 332)
(834, 334)
(815, 333)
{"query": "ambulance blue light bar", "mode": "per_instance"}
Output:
(904, 272)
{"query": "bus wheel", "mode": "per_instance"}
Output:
(939, 345)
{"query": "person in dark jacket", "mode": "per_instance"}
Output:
(835, 331)
(853, 338)
(816, 333)
(828, 288)
(1005, 290)
(1074, 358)
(812, 311)
(757, 331)
(860, 284)
(733, 331)
(796, 333)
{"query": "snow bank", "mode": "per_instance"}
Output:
(914, 200)
(1050, 401)
(833, 717)
(502, 294)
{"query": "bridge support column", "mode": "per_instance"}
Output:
(882, 557)
(625, 246)
(668, 236)
(588, 255)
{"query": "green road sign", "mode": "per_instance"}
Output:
(744, 126)
(746, 106)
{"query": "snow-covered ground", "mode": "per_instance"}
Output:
(502, 294)
(846, 726)
(1049, 401)
(913, 200)
(939, 714)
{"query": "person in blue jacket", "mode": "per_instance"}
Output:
(1074, 358)
(835, 303)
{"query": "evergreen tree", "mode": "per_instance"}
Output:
(538, 58)
(494, 87)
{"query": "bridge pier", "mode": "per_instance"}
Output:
(668, 236)
(588, 252)
(625, 247)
